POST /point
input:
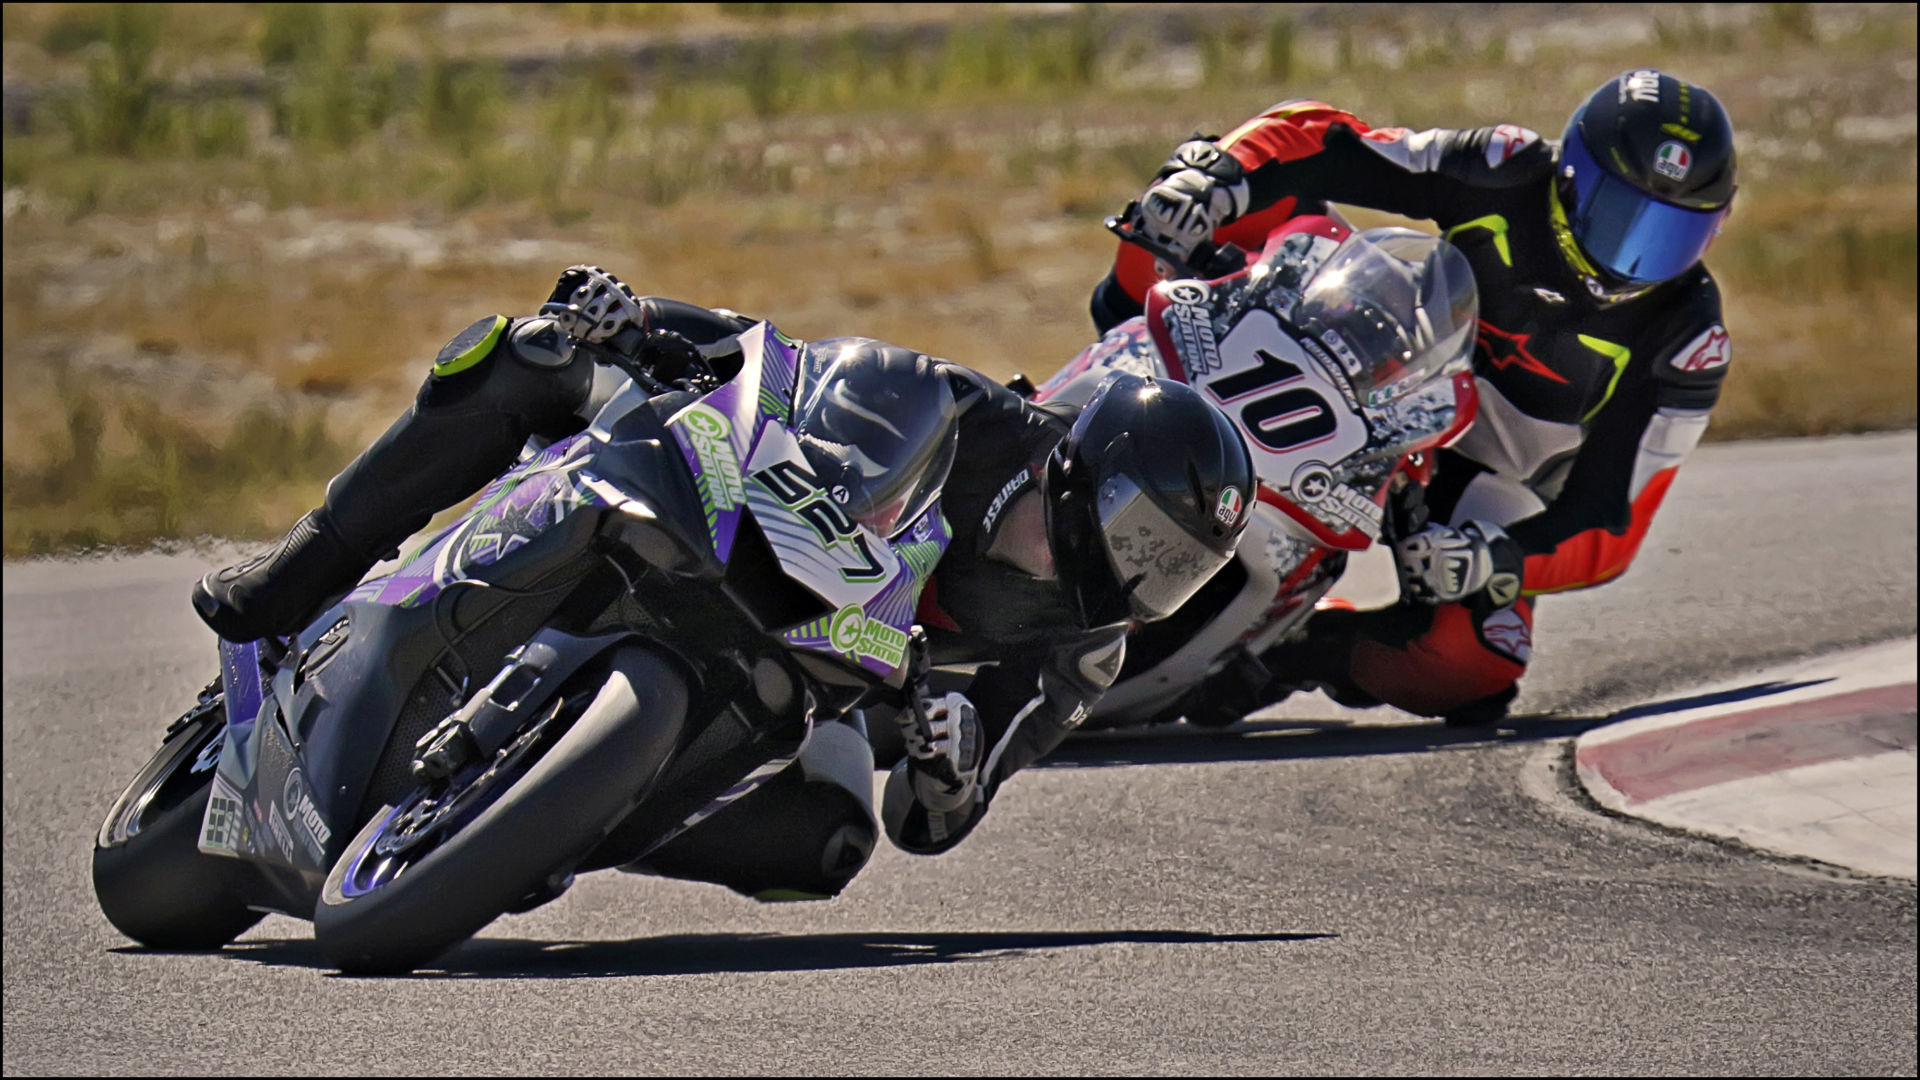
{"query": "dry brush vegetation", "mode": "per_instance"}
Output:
(236, 234)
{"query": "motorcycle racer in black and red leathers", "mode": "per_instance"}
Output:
(1599, 356)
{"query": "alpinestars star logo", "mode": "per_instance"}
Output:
(1504, 350)
(1704, 353)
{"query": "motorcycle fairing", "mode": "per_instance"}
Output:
(1127, 348)
(1323, 456)
(525, 501)
(261, 807)
(716, 433)
(871, 584)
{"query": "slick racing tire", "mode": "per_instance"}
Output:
(153, 882)
(585, 758)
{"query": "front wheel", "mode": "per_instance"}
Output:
(153, 882)
(429, 873)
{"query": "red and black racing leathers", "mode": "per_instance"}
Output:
(1587, 407)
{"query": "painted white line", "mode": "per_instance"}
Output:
(1822, 767)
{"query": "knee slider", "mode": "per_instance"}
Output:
(543, 386)
(470, 346)
(537, 342)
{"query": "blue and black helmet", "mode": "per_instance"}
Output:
(1646, 175)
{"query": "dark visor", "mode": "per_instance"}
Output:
(1626, 231)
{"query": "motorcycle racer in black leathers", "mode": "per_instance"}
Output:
(1600, 354)
(1068, 524)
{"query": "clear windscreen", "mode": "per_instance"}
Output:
(1394, 306)
(881, 438)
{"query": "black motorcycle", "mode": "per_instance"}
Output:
(629, 631)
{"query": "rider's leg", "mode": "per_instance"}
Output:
(1460, 661)
(802, 835)
(494, 385)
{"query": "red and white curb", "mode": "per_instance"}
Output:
(1822, 767)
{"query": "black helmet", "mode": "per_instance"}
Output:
(1646, 175)
(1146, 498)
(879, 426)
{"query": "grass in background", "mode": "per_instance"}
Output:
(165, 479)
(388, 180)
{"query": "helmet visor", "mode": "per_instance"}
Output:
(1624, 230)
(1159, 564)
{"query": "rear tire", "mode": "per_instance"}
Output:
(375, 919)
(153, 882)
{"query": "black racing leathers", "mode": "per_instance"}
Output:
(1042, 666)
(1587, 405)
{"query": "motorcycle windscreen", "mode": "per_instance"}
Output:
(879, 431)
(1394, 306)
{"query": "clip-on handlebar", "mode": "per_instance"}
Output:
(1207, 263)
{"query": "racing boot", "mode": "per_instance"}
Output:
(491, 388)
(1487, 710)
(276, 592)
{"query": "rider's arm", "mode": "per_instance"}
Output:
(1027, 708)
(702, 326)
(1026, 705)
(1298, 155)
(1591, 530)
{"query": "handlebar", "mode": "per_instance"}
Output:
(1210, 261)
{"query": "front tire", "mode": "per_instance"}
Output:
(391, 904)
(153, 882)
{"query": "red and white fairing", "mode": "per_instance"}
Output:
(1326, 459)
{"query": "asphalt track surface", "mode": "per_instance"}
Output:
(1298, 896)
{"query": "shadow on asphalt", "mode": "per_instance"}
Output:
(710, 954)
(1723, 697)
(1278, 740)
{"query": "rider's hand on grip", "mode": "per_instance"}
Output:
(943, 738)
(1444, 565)
(593, 307)
(1198, 190)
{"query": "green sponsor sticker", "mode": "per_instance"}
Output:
(856, 635)
(845, 631)
(707, 430)
(883, 643)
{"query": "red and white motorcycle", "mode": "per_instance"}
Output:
(1344, 357)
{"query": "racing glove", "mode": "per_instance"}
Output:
(934, 797)
(943, 751)
(1197, 191)
(595, 308)
(1444, 565)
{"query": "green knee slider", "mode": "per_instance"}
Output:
(469, 346)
